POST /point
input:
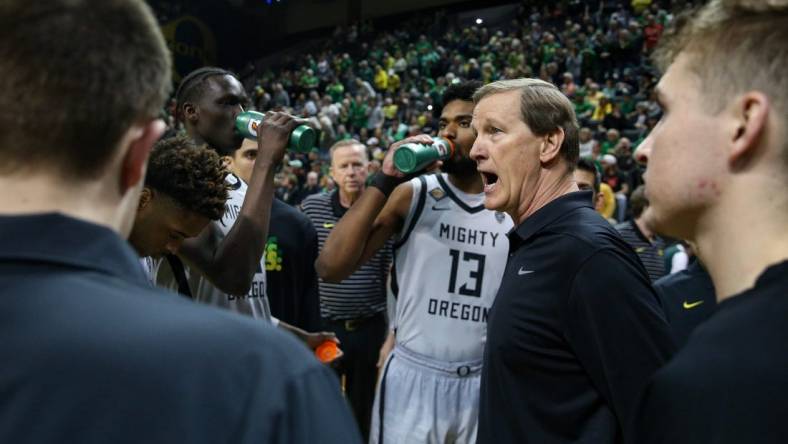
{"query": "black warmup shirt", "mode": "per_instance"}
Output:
(574, 334)
(688, 299)
(91, 353)
(291, 279)
(729, 384)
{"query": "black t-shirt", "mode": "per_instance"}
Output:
(574, 334)
(729, 384)
(688, 299)
(291, 279)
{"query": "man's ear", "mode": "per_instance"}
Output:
(146, 197)
(228, 162)
(190, 112)
(551, 146)
(138, 143)
(751, 114)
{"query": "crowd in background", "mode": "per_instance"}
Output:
(380, 84)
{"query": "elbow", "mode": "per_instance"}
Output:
(327, 272)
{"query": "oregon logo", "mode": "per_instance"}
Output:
(273, 255)
(191, 43)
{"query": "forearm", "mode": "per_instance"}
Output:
(237, 257)
(299, 333)
(346, 243)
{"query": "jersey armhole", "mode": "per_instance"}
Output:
(416, 207)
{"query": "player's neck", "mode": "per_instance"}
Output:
(470, 184)
(40, 193)
(738, 241)
(195, 137)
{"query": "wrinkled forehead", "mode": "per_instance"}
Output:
(499, 106)
(349, 153)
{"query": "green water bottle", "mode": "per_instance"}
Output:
(302, 139)
(413, 157)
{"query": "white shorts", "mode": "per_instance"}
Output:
(422, 400)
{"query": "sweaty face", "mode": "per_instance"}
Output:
(223, 99)
(161, 226)
(241, 163)
(506, 153)
(455, 125)
(349, 168)
(685, 155)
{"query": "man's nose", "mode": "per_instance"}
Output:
(478, 151)
(643, 151)
(449, 132)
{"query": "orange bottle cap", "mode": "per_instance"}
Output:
(327, 351)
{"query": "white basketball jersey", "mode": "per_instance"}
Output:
(151, 268)
(254, 303)
(449, 261)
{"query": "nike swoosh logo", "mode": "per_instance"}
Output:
(521, 272)
(328, 225)
(688, 305)
(434, 208)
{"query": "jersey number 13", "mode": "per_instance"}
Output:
(476, 276)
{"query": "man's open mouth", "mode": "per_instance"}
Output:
(490, 180)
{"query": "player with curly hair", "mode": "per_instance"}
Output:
(184, 190)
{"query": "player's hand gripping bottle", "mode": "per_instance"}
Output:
(413, 157)
(302, 139)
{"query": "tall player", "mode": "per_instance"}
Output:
(450, 253)
(229, 254)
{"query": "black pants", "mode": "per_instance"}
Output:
(360, 341)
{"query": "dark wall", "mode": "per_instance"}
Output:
(230, 33)
(216, 32)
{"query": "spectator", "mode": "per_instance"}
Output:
(310, 187)
(648, 246)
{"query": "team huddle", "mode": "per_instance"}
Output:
(133, 263)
